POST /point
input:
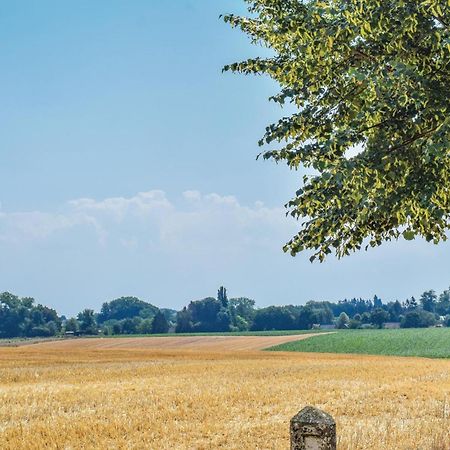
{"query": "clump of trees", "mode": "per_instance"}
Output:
(216, 314)
(129, 315)
(240, 314)
(22, 317)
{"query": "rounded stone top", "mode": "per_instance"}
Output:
(310, 415)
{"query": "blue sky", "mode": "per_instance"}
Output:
(127, 166)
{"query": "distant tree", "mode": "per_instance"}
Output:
(377, 303)
(443, 304)
(21, 317)
(160, 324)
(49, 315)
(342, 321)
(418, 318)
(240, 324)
(353, 324)
(242, 312)
(351, 307)
(116, 328)
(145, 326)
(307, 317)
(53, 327)
(243, 307)
(12, 315)
(209, 315)
(184, 321)
(223, 320)
(411, 320)
(37, 318)
(379, 316)
(72, 324)
(411, 304)
(395, 310)
(88, 324)
(130, 325)
(40, 331)
(365, 317)
(222, 296)
(126, 308)
(323, 314)
(274, 318)
(428, 301)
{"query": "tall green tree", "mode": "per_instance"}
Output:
(222, 296)
(184, 321)
(443, 305)
(12, 315)
(72, 324)
(88, 324)
(242, 312)
(428, 300)
(379, 316)
(274, 318)
(160, 324)
(370, 82)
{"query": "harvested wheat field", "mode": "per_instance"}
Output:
(194, 343)
(83, 396)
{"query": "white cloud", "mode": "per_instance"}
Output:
(19, 226)
(142, 204)
(198, 223)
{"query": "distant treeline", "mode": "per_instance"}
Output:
(22, 317)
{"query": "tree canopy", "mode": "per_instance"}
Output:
(370, 83)
(126, 307)
(22, 317)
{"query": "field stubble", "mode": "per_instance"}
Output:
(84, 398)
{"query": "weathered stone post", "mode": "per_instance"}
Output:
(313, 429)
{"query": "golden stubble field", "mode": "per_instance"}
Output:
(91, 396)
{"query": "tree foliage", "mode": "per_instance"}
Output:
(274, 318)
(370, 82)
(210, 314)
(342, 321)
(160, 324)
(379, 316)
(22, 317)
(88, 324)
(126, 308)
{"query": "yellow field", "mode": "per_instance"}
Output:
(193, 343)
(83, 396)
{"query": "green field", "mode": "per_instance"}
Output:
(425, 342)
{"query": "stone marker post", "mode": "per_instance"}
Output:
(313, 429)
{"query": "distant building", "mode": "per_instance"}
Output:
(391, 325)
